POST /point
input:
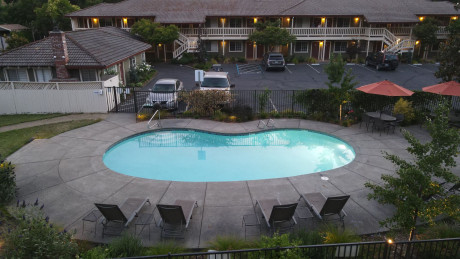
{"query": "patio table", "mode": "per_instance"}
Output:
(381, 116)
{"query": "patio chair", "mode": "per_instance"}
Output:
(397, 122)
(368, 120)
(277, 216)
(323, 207)
(380, 125)
(176, 218)
(117, 218)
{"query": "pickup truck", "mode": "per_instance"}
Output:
(215, 81)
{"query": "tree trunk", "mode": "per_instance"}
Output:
(412, 231)
(164, 51)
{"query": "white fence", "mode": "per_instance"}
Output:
(25, 97)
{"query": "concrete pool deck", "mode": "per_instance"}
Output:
(67, 174)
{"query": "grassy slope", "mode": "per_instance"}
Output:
(6, 120)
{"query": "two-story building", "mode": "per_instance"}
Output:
(321, 27)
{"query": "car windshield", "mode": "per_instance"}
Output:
(278, 57)
(215, 82)
(163, 88)
(391, 57)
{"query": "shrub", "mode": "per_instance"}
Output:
(99, 252)
(220, 116)
(295, 60)
(242, 60)
(307, 237)
(404, 107)
(243, 113)
(164, 248)
(226, 243)
(126, 246)
(263, 100)
(301, 59)
(35, 237)
(441, 230)
(203, 66)
(334, 235)
(7, 181)
(311, 60)
(205, 103)
(213, 61)
(277, 241)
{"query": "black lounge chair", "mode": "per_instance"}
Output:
(176, 218)
(277, 216)
(117, 218)
(322, 206)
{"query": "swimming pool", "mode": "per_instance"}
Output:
(197, 156)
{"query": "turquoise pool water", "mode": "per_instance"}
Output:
(196, 156)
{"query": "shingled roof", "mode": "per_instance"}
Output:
(12, 27)
(196, 11)
(95, 48)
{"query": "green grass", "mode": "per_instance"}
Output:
(6, 120)
(10, 141)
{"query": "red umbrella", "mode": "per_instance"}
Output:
(385, 87)
(447, 88)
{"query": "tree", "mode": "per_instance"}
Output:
(449, 57)
(426, 33)
(52, 14)
(416, 188)
(16, 40)
(340, 81)
(270, 35)
(165, 35)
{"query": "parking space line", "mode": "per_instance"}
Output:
(313, 69)
(288, 70)
(419, 67)
(365, 67)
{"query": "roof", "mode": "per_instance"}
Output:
(166, 81)
(12, 27)
(216, 74)
(99, 48)
(196, 11)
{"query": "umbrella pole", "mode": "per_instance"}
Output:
(340, 112)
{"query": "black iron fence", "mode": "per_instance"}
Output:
(429, 249)
(312, 101)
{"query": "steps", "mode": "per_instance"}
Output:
(186, 44)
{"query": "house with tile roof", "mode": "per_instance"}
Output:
(5, 32)
(85, 55)
(321, 27)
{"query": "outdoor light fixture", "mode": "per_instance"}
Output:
(323, 19)
(421, 18)
(321, 43)
(454, 18)
(288, 19)
(94, 20)
(159, 45)
(255, 20)
(356, 19)
(390, 241)
(125, 20)
(223, 42)
(417, 42)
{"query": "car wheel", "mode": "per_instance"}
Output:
(378, 67)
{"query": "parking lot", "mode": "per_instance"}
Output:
(303, 76)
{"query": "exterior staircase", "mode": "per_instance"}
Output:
(397, 45)
(186, 44)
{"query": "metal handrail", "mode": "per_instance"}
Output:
(156, 124)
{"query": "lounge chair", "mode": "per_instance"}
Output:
(117, 218)
(176, 218)
(277, 215)
(322, 206)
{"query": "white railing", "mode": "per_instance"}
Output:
(177, 52)
(400, 31)
(157, 123)
(182, 38)
(442, 31)
(404, 45)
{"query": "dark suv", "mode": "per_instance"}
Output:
(382, 60)
(273, 60)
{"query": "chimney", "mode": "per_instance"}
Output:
(60, 54)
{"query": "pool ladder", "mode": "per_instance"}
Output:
(269, 124)
(157, 123)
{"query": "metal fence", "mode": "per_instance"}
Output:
(130, 100)
(430, 249)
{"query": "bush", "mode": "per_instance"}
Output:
(99, 252)
(301, 59)
(7, 181)
(205, 103)
(226, 243)
(126, 246)
(263, 99)
(311, 60)
(278, 241)
(242, 60)
(220, 116)
(35, 237)
(203, 66)
(306, 237)
(441, 230)
(164, 248)
(243, 113)
(334, 235)
(405, 107)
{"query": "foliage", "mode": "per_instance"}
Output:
(226, 243)
(140, 74)
(306, 237)
(270, 35)
(317, 101)
(263, 99)
(426, 31)
(154, 33)
(164, 248)
(99, 252)
(353, 50)
(207, 102)
(340, 81)
(440, 230)
(242, 113)
(311, 60)
(22, 12)
(125, 246)
(6, 120)
(334, 235)
(412, 188)
(16, 40)
(52, 13)
(35, 237)
(404, 107)
(203, 66)
(7, 181)
(278, 241)
(449, 57)
(220, 116)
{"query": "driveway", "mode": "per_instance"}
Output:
(303, 76)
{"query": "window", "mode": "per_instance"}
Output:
(82, 23)
(301, 46)
(235, 22)
(2, 76)
(43, 74)
(104, 22)
(298, 22)
(132, 62)
(143, 57)
(340, 46)
(343, 22)
(211, 46)
(88, 74)
(236, 46)
(15, 74)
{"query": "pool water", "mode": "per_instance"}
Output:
(196, 156)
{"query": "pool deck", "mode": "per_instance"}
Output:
(67, 174)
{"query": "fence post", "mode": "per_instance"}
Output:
(115, 98)
(135, 101)
(292, 101)
(385, 251)
(255, 100)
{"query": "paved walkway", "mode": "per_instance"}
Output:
(72, 117)
(68, 175)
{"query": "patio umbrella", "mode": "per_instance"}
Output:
(385, 87)
(446, 88)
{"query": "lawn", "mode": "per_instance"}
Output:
(6, 120)
(10, 141)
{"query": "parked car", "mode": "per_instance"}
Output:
(165, 93)
(215, 81)
(383, 60)
(274, 60)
